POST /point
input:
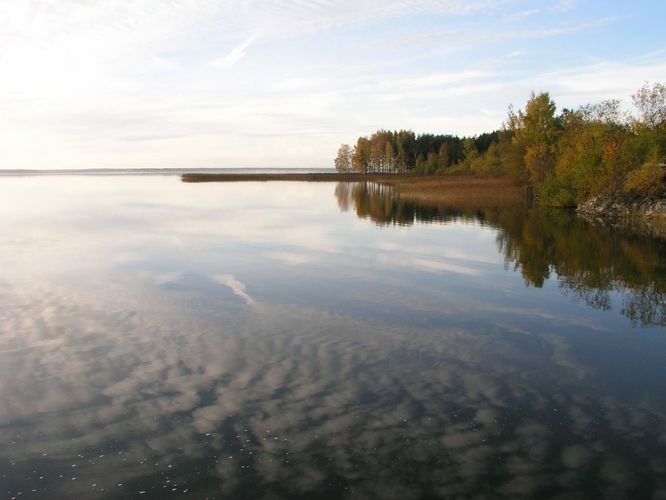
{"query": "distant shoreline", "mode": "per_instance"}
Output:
(307, 177)
(155, 171)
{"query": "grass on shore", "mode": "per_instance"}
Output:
(460, 192)
(311, 177)
(465, 192)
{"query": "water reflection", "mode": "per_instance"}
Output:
(381, 204)
(591, 263)
(289, 402)
(203, 345)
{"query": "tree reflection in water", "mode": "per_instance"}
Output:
(590, 263)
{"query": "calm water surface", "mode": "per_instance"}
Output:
(293, 340)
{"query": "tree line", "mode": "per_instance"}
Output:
(403, 151)
(562, 159)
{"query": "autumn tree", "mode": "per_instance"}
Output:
(540, 131)
(512, 145)
(378, 144)
(651, 103)
(563, 159)
(389, 159)
(469, 149)
(343, 161)
(361, 155)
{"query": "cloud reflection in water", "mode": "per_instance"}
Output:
(208, 375)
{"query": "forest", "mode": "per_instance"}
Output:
(560, 158)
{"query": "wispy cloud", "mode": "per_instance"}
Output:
(564, 5)
(122, 83)
(236, 287)
(523, 14)
(548, 32)
(236, 54)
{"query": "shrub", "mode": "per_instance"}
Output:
(646, 182)
(557, 191)
(458, 169)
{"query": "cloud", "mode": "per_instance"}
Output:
(236, 286)
(166, 278)
(139, 399)
(432, 80)
(236, 54)
(548, 32)
(138, 384)
(601, 80)
(159, 84)
(523, 14)
(430, 265)
(293, 258)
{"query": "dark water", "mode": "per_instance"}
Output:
(294, 340)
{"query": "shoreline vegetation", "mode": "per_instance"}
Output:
(307, 177)
(465, 192)
(607, 163)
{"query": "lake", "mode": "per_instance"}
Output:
(295, 340)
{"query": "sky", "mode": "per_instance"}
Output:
(279, 83)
